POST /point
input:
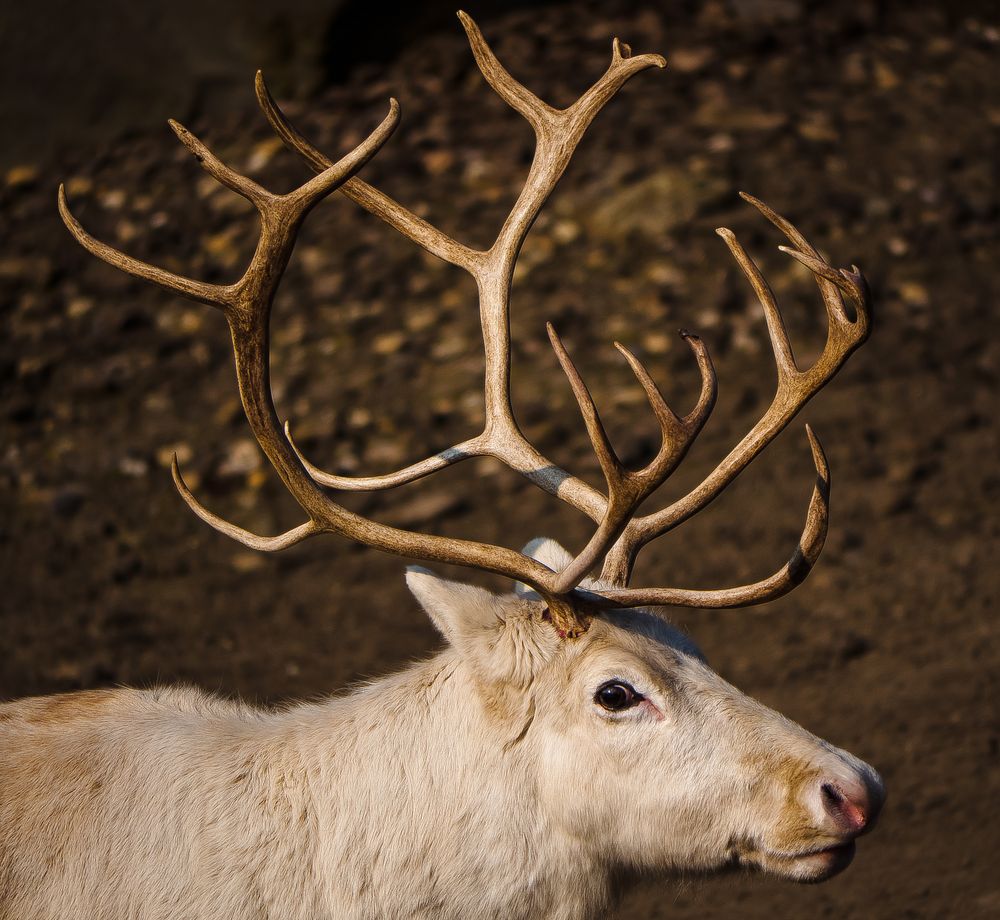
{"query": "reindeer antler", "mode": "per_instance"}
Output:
(619, 534)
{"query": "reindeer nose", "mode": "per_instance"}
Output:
(851, 806)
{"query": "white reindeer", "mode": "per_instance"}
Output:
(566, 740)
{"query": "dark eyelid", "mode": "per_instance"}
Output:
(624, 683)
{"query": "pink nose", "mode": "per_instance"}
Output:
(852, 807)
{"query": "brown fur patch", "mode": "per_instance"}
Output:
(794, 829)
(61, 707)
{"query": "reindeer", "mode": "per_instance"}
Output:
(565, 742)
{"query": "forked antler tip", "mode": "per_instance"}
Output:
(622, 51)
(851, 282)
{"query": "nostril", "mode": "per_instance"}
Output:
(847, 812)
(832, 796)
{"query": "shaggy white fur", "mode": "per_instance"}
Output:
(487, 782)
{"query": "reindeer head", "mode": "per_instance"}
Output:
(640, 750)
(637, 704)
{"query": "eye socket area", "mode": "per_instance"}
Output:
(617, 695)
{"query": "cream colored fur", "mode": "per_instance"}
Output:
(483, 783)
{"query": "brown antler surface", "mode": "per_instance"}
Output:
(619, 534)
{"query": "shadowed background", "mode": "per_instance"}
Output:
(872, 125)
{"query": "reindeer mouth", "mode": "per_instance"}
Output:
(807, 866)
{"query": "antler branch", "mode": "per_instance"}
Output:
(619, 534)
(795, 387)
(627, 489)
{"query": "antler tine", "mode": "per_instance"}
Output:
(669, 423)
(371, 199)
(240, 534)
(783, 357)
(852, 282)
(473, 447)
(831, 299)
(790, 575)
(234, 181)
(537, 113)
(215, 295)
(694, 421)
(606, 456)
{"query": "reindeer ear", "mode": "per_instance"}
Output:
(462, 613)
(503, 638)
(548, 553)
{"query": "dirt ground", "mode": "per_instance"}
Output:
(872, 125)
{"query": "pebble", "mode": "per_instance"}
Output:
(359, 418)
(79, 186)
(79, 306)
(21, 175)
(388, 343)
(165, 454)
(133, 466)
(263, 152)
(112, 199)
(437, 162)
(914, 294)
(689, 60)
(241, 457)
(247, 562)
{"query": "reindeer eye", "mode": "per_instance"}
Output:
(616, 695)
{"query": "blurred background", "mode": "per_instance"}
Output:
(872, 125)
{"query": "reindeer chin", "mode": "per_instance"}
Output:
(808, 867)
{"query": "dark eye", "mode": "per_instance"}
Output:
(616, 695)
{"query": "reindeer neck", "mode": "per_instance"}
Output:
(417, 769)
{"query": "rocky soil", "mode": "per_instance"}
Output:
(873, 126)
